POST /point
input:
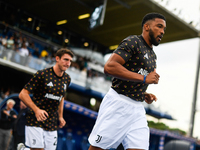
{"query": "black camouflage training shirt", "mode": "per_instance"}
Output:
(48, 89)
(139, 58)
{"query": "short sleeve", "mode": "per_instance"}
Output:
(34, 82)
(126, 48)
(69, 81)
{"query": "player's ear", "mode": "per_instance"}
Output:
(57, 58)
(146, 27)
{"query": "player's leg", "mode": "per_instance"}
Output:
(21, 146)
(94, 148)
(34, 137)
(114, 120)
(97, 148)
(138, 136)
(50, 140)
(140, 143)
(135, 149)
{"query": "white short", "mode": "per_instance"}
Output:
(36, 137)
(120, 120)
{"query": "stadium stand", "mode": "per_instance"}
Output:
(79, 123)
(178, 145)
(85, 79)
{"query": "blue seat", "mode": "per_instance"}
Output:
(70, 142)
(85, 144)
(65, 141)
(61, 140)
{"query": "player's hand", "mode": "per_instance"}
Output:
(149, 98)
(41, 115)
(152, 78)
(62, 122)
(14, 116)
(5, 112)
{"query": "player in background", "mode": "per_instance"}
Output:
(48, 87)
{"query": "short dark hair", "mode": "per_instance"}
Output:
(63, 51)
(152, 16)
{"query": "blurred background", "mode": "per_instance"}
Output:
(32, 31)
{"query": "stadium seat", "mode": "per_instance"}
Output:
(65, 141)
(85, 144)
(177, 145)
(70, 142)
(61, 140)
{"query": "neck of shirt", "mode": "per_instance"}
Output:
(145, 42)
(56, 74)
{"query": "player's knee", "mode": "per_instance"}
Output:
(94, 148)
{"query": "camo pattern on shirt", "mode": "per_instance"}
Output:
(139, 58)
(48, 89)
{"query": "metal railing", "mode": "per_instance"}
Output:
(96, 83)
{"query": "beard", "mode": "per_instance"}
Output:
(61, 68)
(153, 39)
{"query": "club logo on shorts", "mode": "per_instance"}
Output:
(98, 138)
(65, 86)
(34, 141)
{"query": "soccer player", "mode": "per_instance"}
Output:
(48, 87)
(121, 117)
